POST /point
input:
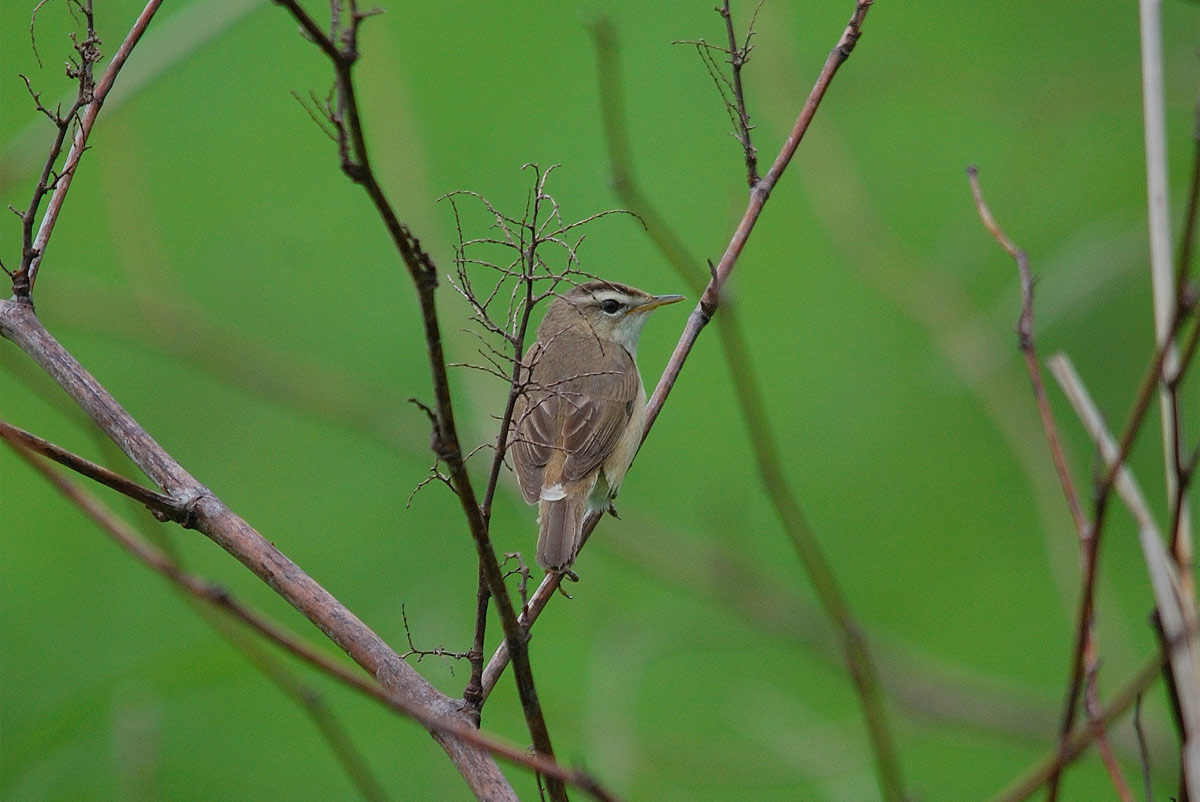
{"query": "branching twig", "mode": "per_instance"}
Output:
(210, 516)
(738, 56)
(84, 111)
(541, 224)
(730, 88)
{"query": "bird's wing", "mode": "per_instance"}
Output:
(569, 425)
(531, 438)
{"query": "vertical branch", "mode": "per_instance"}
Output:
(341, 48)
(738, 56)
(1164, 285)
(1166, 295)
(1026, 343)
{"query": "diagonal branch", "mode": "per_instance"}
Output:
(1081, 738)
(791, 515)
(1180, 639)
(210, 516)
(748, 390)
(218, 598)
(163, 507)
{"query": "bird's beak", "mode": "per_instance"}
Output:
(655, 303)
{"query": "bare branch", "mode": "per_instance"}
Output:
(1084, 661)
(1053, 761)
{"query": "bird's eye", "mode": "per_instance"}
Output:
(610, 306)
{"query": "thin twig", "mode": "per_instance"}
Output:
(1025, 342)
(1084, 661)
(1143, 750)
(163, 507)
(739, 55)
(1095, 712)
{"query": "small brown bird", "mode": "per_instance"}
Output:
(579, 421)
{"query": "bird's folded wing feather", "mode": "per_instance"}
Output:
(579, 419)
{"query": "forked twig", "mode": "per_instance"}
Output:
(87, 107)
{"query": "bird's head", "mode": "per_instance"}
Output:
(609, 311)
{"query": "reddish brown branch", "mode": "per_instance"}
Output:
(759, 194)
(1026, 344)
(854, 648)
(738, 57)
(1081, 738)
(210, 516)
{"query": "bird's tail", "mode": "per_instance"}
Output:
(560, 527)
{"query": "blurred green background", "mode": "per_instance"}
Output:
(239, 296)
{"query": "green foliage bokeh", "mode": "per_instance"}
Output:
(211, 249)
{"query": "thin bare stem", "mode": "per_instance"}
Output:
(1026, 343)
(1084, 661)
(739, 55)
(710, 300)
(164, 507)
